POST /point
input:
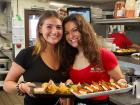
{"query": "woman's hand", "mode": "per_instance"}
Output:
(68, 82)
(122, 81)
(27, 88)
(65, 101)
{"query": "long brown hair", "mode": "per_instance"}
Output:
(40, 44)
(88, 41)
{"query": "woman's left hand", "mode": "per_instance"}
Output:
(122, 81)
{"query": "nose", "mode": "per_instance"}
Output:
(54, 30)
(70, 35)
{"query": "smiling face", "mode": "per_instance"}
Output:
(51, 30)
(72, 33)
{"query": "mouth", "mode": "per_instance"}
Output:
(74, 40)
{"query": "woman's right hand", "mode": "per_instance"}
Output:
(27, 88)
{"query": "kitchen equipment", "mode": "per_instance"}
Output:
(108, 43)
(119, 9)
(129, 74)
(129, 8)
(136, 88)
(3, 64)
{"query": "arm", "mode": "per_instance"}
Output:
(117, 75)
(135, 46)
(12, 78)
(131, 44)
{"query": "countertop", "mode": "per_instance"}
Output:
(128, 59)
(124, 99)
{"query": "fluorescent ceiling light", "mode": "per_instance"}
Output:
(57, 4)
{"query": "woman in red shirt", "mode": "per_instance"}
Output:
(86, 59)
(121, 40)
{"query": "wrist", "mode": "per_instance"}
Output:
(20, 91)
(21, 87)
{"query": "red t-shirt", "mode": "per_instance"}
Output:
(89, 74)
(121, 40)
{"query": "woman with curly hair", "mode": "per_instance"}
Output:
(86, 60)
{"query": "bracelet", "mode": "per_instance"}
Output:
(19, 92)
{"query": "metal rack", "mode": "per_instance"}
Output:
(4, 69)
(122, 21)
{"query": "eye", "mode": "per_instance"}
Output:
(75, 30)
(59, 27)
(49, 27)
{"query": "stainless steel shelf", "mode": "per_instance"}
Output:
(131, 21)
(7, 36)
(8, 53)
(1, 83)
(4, 72)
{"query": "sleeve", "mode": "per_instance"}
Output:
(23, 58)
(109, 60)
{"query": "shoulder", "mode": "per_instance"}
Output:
(105, 52)
(28, 49)
(109, 60)
(24, 57)
(25, 53)
(107, 55)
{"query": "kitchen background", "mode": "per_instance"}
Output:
(12, 24)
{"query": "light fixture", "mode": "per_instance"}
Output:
(57, 4)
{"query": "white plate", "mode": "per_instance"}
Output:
(90, 95)
(134, 55)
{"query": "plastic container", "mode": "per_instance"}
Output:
(137, 8)
(119, 11)
(130, 8)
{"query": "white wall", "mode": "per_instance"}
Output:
(25, 4)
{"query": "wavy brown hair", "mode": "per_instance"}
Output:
(88, 41)
(40, 44)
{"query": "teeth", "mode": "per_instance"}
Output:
(74, 40)
(53, 36)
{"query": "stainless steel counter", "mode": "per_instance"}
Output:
(124, 99)
(128, 59)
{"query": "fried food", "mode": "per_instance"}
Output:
(82, 90)
(63, 88)
(97, 86)
(44, 85)
(104, 85)
(51, 87)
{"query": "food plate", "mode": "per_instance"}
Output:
(54, 95)
(38, 91)
(122, 52)
(90, 95)
(136, 56)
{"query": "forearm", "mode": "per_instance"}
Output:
(116, 73)
(10, 86)
(135, 46)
